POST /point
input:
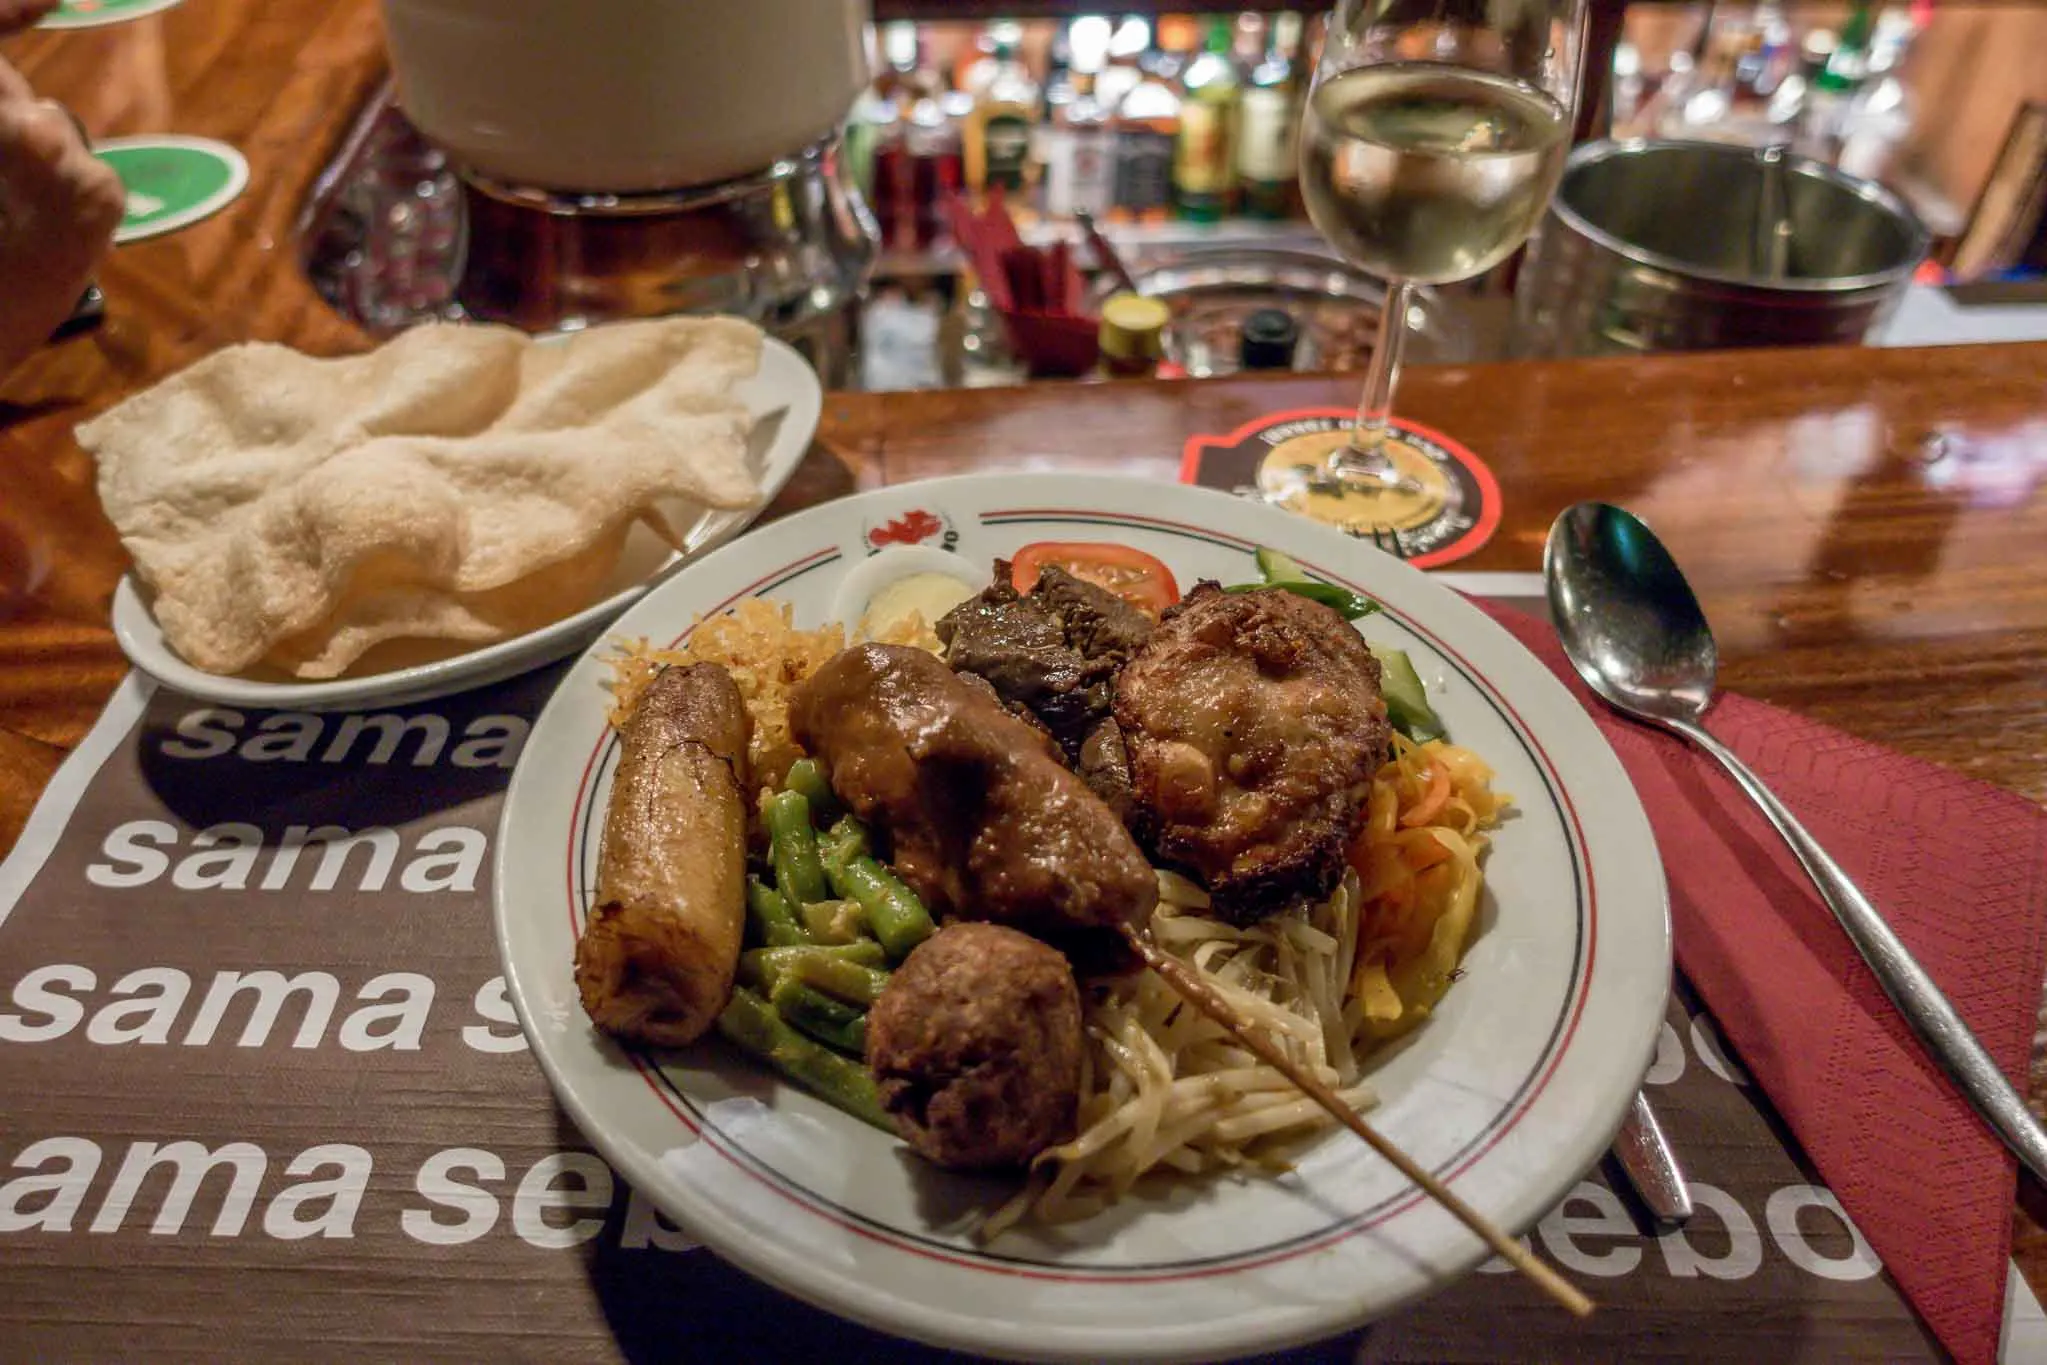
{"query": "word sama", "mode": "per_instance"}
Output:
(301, 737)
(146, 1005)
(227, 856)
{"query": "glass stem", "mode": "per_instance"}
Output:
(1375, 409)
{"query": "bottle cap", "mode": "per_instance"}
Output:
(1267, 339)
(1133, 327)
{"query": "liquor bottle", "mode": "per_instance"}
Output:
(933, 155)
(1048, 132)
(1883, 111)
(1705, 108)
(977, 73)
(1177, 38)
(1268, 120)
(1077, 153)
(1204, 160)
(1247, 45)
(1147, 133)
(1081, 174)
(899, 71)
(873, 125)
(1087, 40)
(998, 132)
(1127, 45)
(873, 149)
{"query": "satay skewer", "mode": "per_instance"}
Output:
(1197, 992)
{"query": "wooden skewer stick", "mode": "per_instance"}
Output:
(1205, 998)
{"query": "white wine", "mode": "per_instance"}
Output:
(1427, 172)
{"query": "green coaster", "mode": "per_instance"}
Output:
(93, 13)
(172, 182)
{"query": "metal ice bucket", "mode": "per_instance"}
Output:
(1652, 246)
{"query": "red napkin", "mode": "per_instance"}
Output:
(1959, 868)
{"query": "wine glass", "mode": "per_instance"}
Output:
(1432, 139)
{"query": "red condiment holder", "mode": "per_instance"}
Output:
(1037, 291)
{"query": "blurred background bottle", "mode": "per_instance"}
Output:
(1146, 128)
(1830, 94)
(1204, 159)
(1128, 42)
(935, 162)
(997, 136)
(1268, 118)
(1076, 152)
(1881, 116)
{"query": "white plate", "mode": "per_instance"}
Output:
(1510, 1093)
(402, 671)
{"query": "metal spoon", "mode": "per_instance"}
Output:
(1635, 633)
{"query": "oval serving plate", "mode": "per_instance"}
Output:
(786, 401)
(1509, 1092)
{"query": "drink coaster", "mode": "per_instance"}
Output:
(1445, 505)
(95, 13)
(172, 182)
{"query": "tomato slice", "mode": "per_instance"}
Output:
(1132, 575)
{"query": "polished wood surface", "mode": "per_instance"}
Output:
(1865, 527)
(1868, 529)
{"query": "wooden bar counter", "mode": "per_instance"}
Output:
(1867, 528)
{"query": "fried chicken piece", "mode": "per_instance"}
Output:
(982, 820)
(1254, 724)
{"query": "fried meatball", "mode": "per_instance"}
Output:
(976, 1046)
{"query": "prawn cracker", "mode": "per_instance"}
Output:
(459, 482)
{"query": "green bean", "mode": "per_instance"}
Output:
(751, 1024)
(843, 842)
(1346, 603)
(806, 777)
(774, 923)
(761, 968)
(894, 913)
(835, 921)
(848, 981)
(799, 873)
(832, 1022)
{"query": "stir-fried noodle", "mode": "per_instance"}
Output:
(1168, 1089)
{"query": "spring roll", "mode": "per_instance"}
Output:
(656, 961)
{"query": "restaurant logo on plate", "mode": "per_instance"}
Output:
(1445, 507)
(913, 527)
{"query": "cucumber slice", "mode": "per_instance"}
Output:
(1407, 704)
(1279, 567)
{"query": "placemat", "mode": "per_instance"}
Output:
(266, 1096)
